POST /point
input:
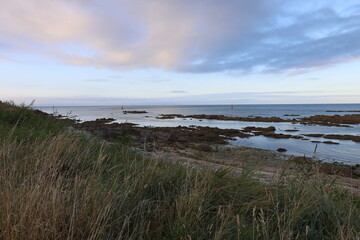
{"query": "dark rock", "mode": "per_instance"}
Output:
(227, 118)
(260, 129)
(134, 112)
(281, 150)
(330, 142)
(275, 135)
(292, 130)
(335, 120)
(313, 135)
(343, 137)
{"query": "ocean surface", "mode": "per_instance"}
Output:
(347, 151)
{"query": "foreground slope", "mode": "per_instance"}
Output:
(58, 183)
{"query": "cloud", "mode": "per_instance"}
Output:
(184, 35)
(178, 91)
(7, 59)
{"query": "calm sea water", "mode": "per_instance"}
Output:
(347, 151)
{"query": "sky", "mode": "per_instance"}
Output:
(134, 52)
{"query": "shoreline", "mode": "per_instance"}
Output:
(177, 141)
(186, 136)
(321, 120)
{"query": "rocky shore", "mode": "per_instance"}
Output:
(196, 139)
(205, 140)
(336, 136)
(207, 147)
(182, 137)
(323, 120)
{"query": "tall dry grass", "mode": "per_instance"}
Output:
(55, 184)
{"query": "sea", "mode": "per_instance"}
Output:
(347, 152)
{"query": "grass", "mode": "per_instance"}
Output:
(59, 184)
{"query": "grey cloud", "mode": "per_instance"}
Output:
(294, 48)
(185, 35)
(178, 91)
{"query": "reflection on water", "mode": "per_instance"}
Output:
(347, 151)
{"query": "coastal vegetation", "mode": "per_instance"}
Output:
(61, 182)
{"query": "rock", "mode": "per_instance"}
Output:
(292, 130)
(313, 135)
(260, 129)
(281, 150)
(323, 120)
(275, 135)
(335, 120)
(134, 112)
(330, 142)
(229, 118)
(343, 137)
(297, 137)
(203, 147)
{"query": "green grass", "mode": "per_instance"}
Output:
(57, 184)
